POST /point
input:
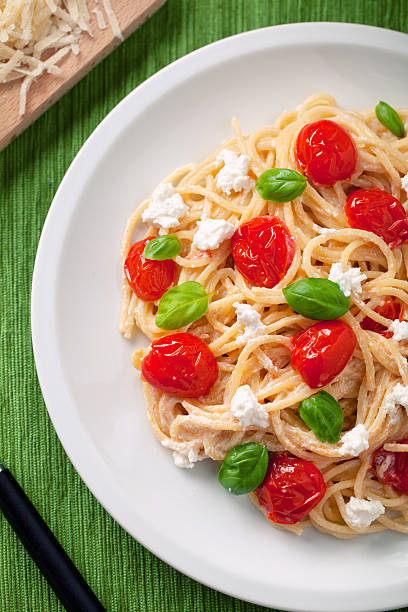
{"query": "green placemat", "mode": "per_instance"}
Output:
(125, 576)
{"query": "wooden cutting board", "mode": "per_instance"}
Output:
(48, 88)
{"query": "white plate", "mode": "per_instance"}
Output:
(93, 394)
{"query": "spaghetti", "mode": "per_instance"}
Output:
(204, 427)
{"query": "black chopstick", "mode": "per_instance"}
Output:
(61, 574)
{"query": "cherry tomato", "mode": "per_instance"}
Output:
(391, 468)
(263, 250)
(325, 152)
(148, 278)
(181, 365)
(320, 352)
(379, 212)
(291, 489)
(391, 309)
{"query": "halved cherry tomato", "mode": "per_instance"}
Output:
(181, 365)
(379, 212)
(391, 309)
(148, 278)
(325, 152)
(320, 352)
(263, 250)
(391, 468)
(291, 489)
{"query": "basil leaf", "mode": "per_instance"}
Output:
(317, 298)
(323, 414)
(389, 117)
(162, 247)
(244, 468)
(280, 185)
(181, 305)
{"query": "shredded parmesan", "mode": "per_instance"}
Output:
(112, 19)
(100, 19)
(35, 35)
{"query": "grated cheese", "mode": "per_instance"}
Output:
(100, 19)
(35, 35)
(112, 19)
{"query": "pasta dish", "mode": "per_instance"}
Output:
(272, 283)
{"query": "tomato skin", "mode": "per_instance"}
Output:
(395, 471)
(181, 365)
(391, 309)
(379, 212)
(320, 352)
(291, 489)
(148, 278)
(325, 152)
(263, 250)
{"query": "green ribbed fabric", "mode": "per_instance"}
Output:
(125, 576)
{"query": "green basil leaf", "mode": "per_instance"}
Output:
(323, 414)
(389, 117)
(162, 247)
(280, 185)
(181, 305)
(244, 468)
(317, 298)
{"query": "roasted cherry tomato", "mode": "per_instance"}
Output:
(392, 309)
(325, 152)
(148, 278)
(320, 352)
(391, 468)
(291, 489)
(263, 250)
(379, 212)
(181, 365)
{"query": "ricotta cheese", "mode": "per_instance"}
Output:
(354, 441)
(186, 460)
(397, 397)
(234, 175)
(349, 281)
(399, 329)
(211, 233)
(247, 409)
(404, 183)
(250, 319)
(166, 208)
(362, 512)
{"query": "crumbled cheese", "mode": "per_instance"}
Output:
(323, 230)
(185, 455)
(234, 175)
(354, 441)
(247, 409)
(397, 397)
(399, 329)
(166, 208)
(250, 319)
(349, 281)
(362, 512)
(186, 460)
(211, 233)
(404, 183)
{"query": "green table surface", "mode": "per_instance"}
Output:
(125, 576)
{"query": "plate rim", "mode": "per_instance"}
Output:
(57, 219)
